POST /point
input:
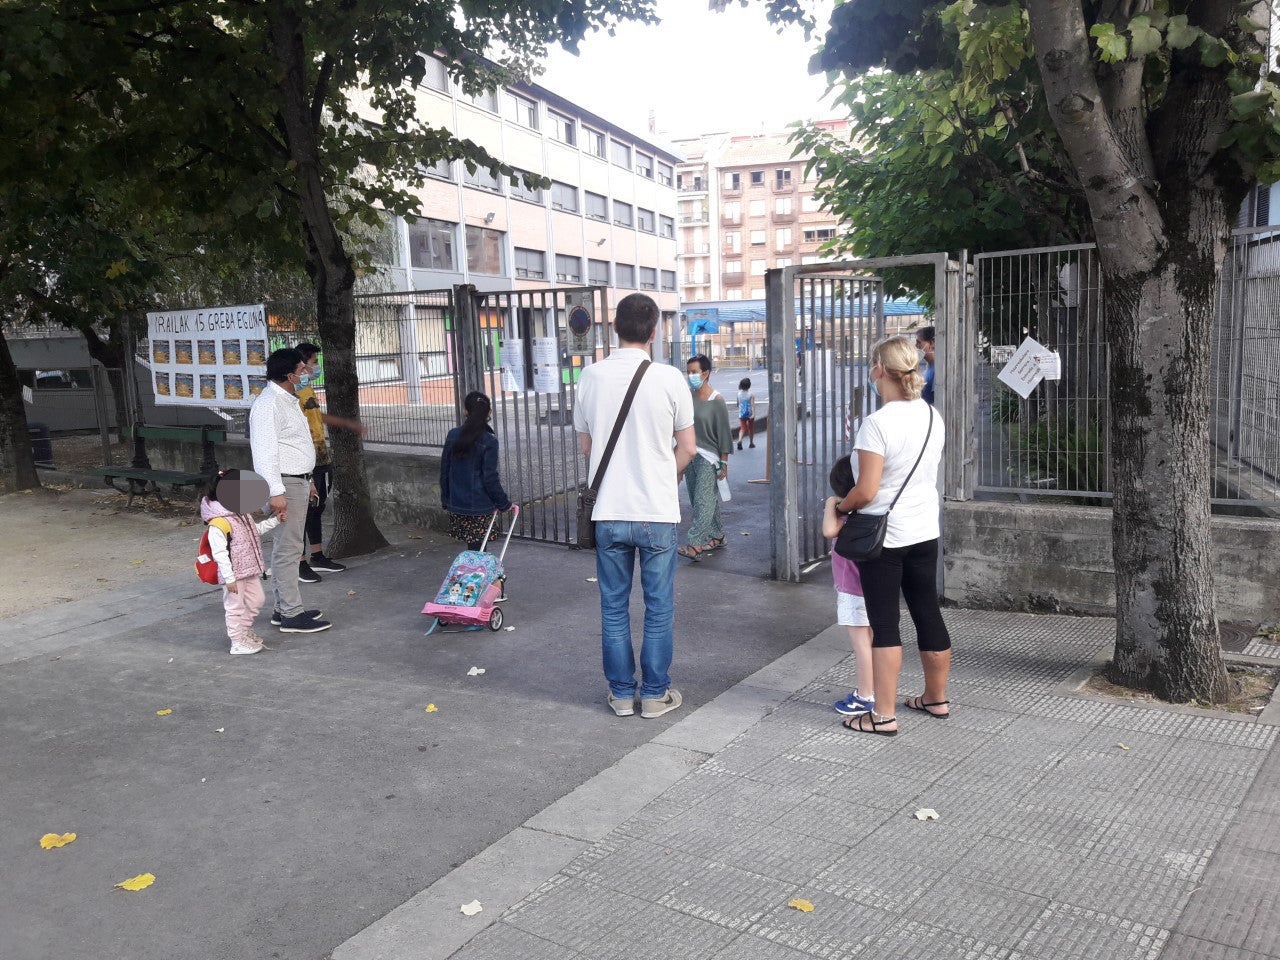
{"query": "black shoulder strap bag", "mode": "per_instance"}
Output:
(587, 495)
(862, 536)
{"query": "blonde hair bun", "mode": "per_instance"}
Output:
(900, 359)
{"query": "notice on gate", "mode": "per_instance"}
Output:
(511, 353)
(208, 357)
(1027, 367)
(546, 365)
(581, 323)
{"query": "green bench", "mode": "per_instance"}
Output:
(142, 479)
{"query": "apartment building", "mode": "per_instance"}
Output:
(607, 219)
(745, 206)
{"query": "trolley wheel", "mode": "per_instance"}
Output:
(495, 619)
(435, 625)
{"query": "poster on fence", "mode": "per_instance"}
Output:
(512, 355)
(1025, 370)
(546, 365)
(208, 357)
(581, 323)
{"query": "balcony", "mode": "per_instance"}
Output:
(692, 219)
(732, 279)
(731, 219)
(784, 186)
(694, 249)
(784, 217)
(697, 186)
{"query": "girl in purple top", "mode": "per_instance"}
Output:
(851, 610)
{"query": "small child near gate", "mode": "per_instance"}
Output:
(239, 556)
(746, 412)
(851, 609)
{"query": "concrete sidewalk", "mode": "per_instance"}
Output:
(1068, 827)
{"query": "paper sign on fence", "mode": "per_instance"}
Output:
(1022, 373)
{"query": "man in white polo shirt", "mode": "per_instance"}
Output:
(638, 505)
(284, 456)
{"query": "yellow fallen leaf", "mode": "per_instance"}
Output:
(432, 708)
(136, 562)
(1122, 746)
(140, 882)
(165, 712)
(804, 906)
(52, 840)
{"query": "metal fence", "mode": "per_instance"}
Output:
(1056, 442)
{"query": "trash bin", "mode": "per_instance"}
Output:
(41, 445)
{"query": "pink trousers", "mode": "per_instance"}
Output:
(242, 606)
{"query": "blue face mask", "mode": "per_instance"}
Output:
(304, 380)
(695, 381)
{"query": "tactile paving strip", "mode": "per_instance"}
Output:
(1067, 931)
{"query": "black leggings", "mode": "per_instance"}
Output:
(322, 477)
(912, 572)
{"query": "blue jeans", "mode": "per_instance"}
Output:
(617, 543)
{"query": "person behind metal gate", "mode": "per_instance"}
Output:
(322, 477)
(285, 457)
(924, 343)
(638, 503)
(715, 443)
(470, 488)
(899, 451)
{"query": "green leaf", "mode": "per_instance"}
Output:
(1180, 34)
(1112, 47)
(1146, 38)
(1213, 51)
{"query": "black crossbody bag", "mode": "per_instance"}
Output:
(862, 536)
(587, 495)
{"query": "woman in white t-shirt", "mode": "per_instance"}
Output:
(889, 444)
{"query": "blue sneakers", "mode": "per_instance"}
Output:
(854, 705)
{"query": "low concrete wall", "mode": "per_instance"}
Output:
(1040, 557)
(405, 487)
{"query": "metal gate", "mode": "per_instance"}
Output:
(822, 322)
(533, 398)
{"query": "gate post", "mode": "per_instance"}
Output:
(780, 340)
(467, 340)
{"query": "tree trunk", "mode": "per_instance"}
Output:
(354, 529)
(111, 354)
(19, 465)
(1160, 244)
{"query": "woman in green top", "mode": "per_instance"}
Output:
(715, 442)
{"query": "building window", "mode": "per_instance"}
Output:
(782, 238)
(758, 238)
(483, 179)
(733, 294)
(757, 208)
(733, 181)
(733, 211)
(622, 215)
(757, 178)
(782, 205)
(484, 250)
(668, 280)
(521, 110)
(626, 275)
(431, 244)
(564, 196)
(665, 174)
(814, 234)
(733, 266)
(733, 240)
(809, 203)
(810, 259)
(436, 76)
(645, 220)
(597, 206)
(757, 268)
(782, 177)
(666, 227)
(520, 192)
(531, 264)
(648, 278)
(563, 128)
(620, 154)
(782, 262)
(485, 100)
(598, 273)
(644, 165)
(441, 170)
(594, 142)
(568, 269)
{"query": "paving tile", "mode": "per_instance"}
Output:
(1242, 733)
(799, 772)
(1046, 730)
(835, 930)
(727, 896)
(991, 777)
(914, 940)
(747, 947)
(1222, 911)
(1264, 935)
(983, 719)
(991, 912)
(1066, 833)
(1183, 947)
(840, 820)
(881, 791)
(658, 811)
(1137, 890)
(781, 854)
(919, 763)
(637, 868)
(945, 737)
(837, 745)
(1069, 708)
(752, 800)
(1237, 858)
(572, 913)
(706, 781)
(656, 931)
(1068, 931)
(703, 833)
(1147, 719)
(1261, 831)
(1031, 870)
(889, 885)
(505, 942)
(1183, 855)
(909, 840)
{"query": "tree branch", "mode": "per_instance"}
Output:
(321, 91)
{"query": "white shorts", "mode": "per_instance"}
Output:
(851, 610)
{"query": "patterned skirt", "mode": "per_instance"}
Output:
(468, 529)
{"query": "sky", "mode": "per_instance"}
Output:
(699, 71)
